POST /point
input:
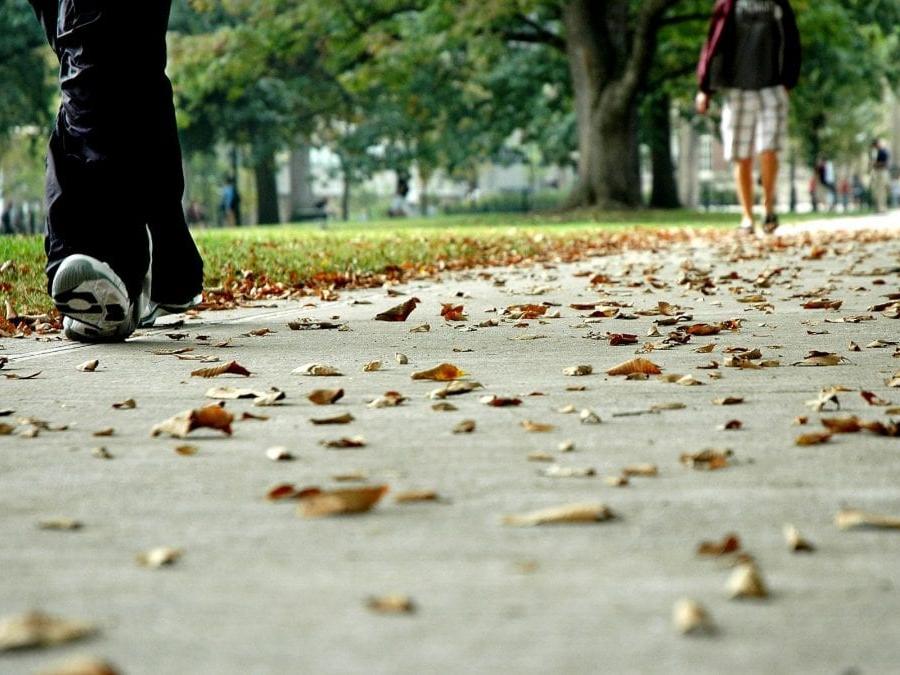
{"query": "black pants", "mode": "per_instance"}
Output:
(114, 162)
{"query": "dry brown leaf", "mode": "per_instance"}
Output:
(341, 502)
(411, 496)
(588, 416)
(816, 358)
(445, 372)
(390, 399)
(401, 359)
(842, 425)
(451, 312)
(729, 400)
(317, 370)
(731, 425)
(707, 460)
(620, 339)
(824, 303)
(848, 519)
(464, 427)
(279, 453)
(501, 401)
(186, 450)
(421, 328)
(578, 371)
(60, 524)
(569, 513)
(88, 366)
(638, 365)
(344, 418)
(325, 396)
(874, 399)
(35, 630)
(812, 438)
(455, 388)
(399, 312)
(159, 556)
(207, 417)
(372, 366)
(81, 665)
(230, 368)
(444, 406)
(646, 470)
(345, 443)
(537, 427)
(746, 582)
(691, 618)
(127, 404)
(730, 543)
(557, 471)
(391, 604)
(706, 349)
(703, 329)
(234, 393)
(796, 543)
(105, 431)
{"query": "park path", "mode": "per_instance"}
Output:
(259, 589)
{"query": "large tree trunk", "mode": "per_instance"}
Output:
(266, 189)
(609, 52)
(664, 194)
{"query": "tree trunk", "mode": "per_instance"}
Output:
(266, 189)
(345, 197)
(424, 197)
(302, 200)
(610, 52)
(664, 194)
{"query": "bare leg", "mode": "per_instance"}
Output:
(743, 176)
(768, 161)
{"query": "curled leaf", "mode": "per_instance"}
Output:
(345, 443)
(578, 371)
(88, 366)
(391, 604)
(209, 417)
(399, 312)
(638, 365)
(442, 373)
(691, 618)
(341, 502)
(569, 513)
(344, 418)
(849, 519)
(325, 396)
(159, 557)
(746, 582)
(707, 460)
(317, 370)
(35, 630)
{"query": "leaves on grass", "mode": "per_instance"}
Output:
(208, 417)
(317, 370)
(161, 556)
(638, 365)
(325, 396)
(399, 312)
(35, 630)
(707, 460)
(566, 514)
(230, 368)
(848, 519)
(88, 366)
(345, 501)
(445, 372)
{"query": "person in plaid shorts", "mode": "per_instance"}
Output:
(752, 56)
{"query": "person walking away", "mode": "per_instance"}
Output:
(844, 193)
(230, 203)
(752, 55)
(119, 252)
(880, 165)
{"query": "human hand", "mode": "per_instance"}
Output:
(701, 102)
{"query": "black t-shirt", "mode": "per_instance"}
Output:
(756, 61)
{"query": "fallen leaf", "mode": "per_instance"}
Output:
(230, 368)
(848, 519)
(372, 366)
(464, 427)
(411, 496)
(451, 312)
(317, 370)
(325, 396)
(824, 303)
(455, 388)
(444, 406)
(646, 470)
(619, 339)
(127, 404)
(569, 513)
(313, 324)
(101, 453)
(707, 460)
(186, 450)
(105, 431)
(501, 401)
(537, 427)
(341, 501)
(88, 366)
(15, 376)
(35, 630)
(578, 371)
(159, 556)
(540, 456)
(729, 400)
(399, 312)
(691, 618)
(731, 543)
(401, 359)
(813, 438)
(815, 358)
(421, 328)
(60, 524)
(557, 471)
(81, 665)
(279, 453)
(390, 399)
(209, 417)
(233, 393)
(873, 399)
(638, 365)
(796, 543)
(442, 373)
(746, 582)
(345, 443)
(391, 604)
(344, 418)
(732, 425)
(842, 425)
(587, 416)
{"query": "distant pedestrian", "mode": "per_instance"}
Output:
(843, 189)
(6, 218)
(880, 166)
(119, 252)
(752, 55)
(230, 203)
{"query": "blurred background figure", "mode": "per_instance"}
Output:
(880, 166)
(230, 204)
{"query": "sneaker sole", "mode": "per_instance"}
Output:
(85, 289)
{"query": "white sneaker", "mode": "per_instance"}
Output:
(155, 311)
(94, 301)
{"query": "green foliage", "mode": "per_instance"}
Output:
(25, 90)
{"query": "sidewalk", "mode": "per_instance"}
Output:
(260, 590)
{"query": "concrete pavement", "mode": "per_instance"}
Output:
(260, 590)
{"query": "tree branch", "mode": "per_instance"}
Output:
(643, 46)
(684, 18)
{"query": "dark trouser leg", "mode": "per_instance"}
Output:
(114, 163)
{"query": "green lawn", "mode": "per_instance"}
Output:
(356, 253)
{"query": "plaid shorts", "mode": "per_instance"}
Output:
(754, 121)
